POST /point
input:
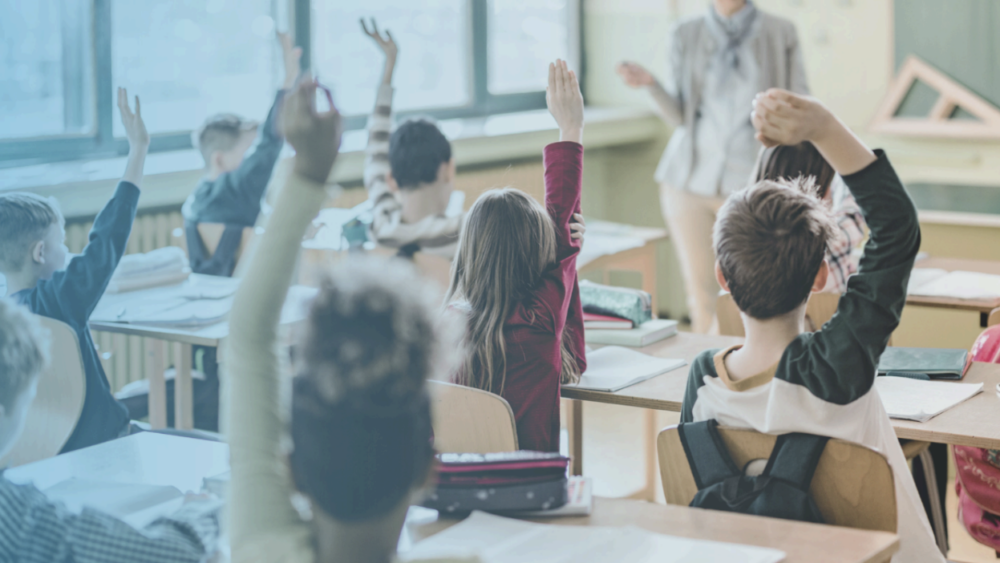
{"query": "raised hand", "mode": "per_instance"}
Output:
(315, 136)
(565, 101)
(578, 228)
(290, 56)
(387, 44)
(783, 118)
(135, 128)
(635, 75)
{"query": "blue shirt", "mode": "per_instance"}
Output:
(71, 295)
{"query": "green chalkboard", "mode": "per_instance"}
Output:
(958, 37)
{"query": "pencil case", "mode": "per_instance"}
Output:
(623, 302)
(499, 482)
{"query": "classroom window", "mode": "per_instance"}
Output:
(60, 61)
(46, 77)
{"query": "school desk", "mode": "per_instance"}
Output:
(156, 356)
(146, 458)
(982, 306)
(801, 542)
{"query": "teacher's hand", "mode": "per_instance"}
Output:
(634, 74)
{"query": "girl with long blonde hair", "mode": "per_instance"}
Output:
(515, 275)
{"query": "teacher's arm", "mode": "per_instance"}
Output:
(668, 98)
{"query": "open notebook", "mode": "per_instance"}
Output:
(612, 368)
(495, 539)
(921, 400)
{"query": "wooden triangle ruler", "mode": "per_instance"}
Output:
(938, 123)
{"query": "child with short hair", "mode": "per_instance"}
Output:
(36, 529)
(360, 417)
(843, 249)
(770, 239)
(33, 259)
(409, 173)
(231, 191)
(516, 274)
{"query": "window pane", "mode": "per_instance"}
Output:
(434, 52)
(189, 60)
(46, 68)
(523, 37)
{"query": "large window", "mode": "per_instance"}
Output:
(61, 59)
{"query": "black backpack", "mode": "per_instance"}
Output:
(781, 491)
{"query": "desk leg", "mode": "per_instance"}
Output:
(575, 427)
(156, 363)
(650, 438)
(183, 392)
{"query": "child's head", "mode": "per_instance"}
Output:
(420, 162)
(507, 243)
(361, 422)
(23, 355)
(770, 244)
(223, 141)
(32, 235)
(788, 162)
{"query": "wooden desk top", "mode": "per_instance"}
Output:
(800, 541)
(664, 392)
(146, 458)
(964, 425)
(951, 265)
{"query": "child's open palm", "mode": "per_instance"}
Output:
(135, 129)
(565, 101)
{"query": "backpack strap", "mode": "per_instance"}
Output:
(706, 453)
(795, 457)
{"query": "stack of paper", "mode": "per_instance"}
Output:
(921, 400)
(957, 284)
(163, 266)
(494, 539)
(138, 505)
(613, 368)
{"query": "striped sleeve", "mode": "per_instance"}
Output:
(377, 151)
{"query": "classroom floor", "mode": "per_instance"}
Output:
(613, 454)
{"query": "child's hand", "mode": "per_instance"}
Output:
(579, 228)
(314, 136)
(635, 75)
(784, 118)
(387, 44)
(135, 129)
(565, 101)
(290, 55)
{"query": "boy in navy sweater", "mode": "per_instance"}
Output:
(33, 259)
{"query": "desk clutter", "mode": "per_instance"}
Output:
(936, 282)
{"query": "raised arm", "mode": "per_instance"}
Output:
(259, 501)
(380, 122)
(564, 160)
(870, 309)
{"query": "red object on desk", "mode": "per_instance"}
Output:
(593, 320)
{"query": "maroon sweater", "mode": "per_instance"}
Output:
(535, 328)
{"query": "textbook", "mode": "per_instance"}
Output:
(495, 539)
(595, 321)
(913, 399)
(924, 363)
(643, 335)
(612, 368)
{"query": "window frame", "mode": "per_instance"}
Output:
(101, 143)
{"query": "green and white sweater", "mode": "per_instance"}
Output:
(824, 382)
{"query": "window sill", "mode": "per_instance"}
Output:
(83, 187)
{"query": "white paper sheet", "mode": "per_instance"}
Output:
(921, 400)
(503, 540)
(612, 368)
(138, 505)
(958, 285)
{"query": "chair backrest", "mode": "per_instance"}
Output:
(468, 420)
(819, 310)
(853, 485)
(62, 389)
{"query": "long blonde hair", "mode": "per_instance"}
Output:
(507, 244)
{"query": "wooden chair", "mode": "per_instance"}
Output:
(853, 485)
(468, 420)
(62, 389)
(819, 310)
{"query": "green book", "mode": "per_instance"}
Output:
(924, 363)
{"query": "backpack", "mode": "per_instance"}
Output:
(781, 491)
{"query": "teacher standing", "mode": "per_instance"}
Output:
(718, 62)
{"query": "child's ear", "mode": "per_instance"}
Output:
(819, 284)
(721, 278)
(391, 182)
(38, 252)
(446, 173)
(217, 160)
